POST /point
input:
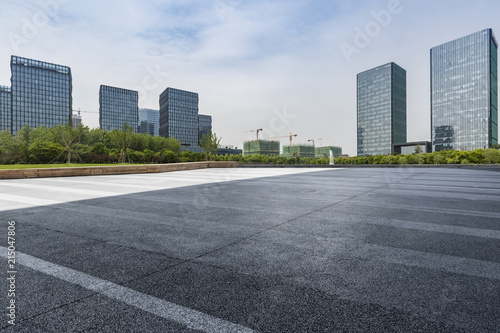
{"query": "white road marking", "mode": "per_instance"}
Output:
(193, 319)
(65, 190)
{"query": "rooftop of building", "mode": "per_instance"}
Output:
(15, 60)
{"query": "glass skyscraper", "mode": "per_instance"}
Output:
(41, 93)
(5, 108)
(118, 106)
(204, 126)
(381, 94)
(149, 122)
(179, 116)
(464, 86)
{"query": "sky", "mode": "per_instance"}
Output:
(283, 66)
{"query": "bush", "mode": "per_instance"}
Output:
(492, 156)
(170, 157)
(42, 152)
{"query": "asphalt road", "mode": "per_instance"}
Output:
(264, 250)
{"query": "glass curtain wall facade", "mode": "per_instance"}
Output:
(41, 93)
(149, 122)
(118, 106)
(464, 87)
(5, 108)
(204, 126)
(179, 116)
(381, 109)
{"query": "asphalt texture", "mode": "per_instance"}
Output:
(263, 250)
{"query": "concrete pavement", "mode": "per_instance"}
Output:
(265, 250)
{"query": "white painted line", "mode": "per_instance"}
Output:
(30, 201)
(434, 261)
(191, 318)
(436, 227)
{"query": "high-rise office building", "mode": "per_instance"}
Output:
(381, 94)
(76, 119)
(149, 122)
(204, 126)
(5, 108)
(179, 116)
(41, 93)
(464, 100)
(117, 107)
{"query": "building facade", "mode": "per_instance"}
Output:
(41, 93)
(179, 116)
(149, 122)
(76, 119)
(204, 126)
(464, 93)
(117, 107)
(261, 147)
(301, 151)
(381, 109)
(5, 108)
(413, 147)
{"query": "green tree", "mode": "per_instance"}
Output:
(70, 137)
(210, 142)
(122, 140)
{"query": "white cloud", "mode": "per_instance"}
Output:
(246, 58)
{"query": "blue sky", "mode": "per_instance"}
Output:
(278, 65)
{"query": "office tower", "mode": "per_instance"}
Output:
(149, 122)
(179, 116)
(381, 109)
(464, 100)
(41, 93)
(76, 119)
(5, 108)
(118, 106)
(204, 126)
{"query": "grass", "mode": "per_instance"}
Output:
(46, 166)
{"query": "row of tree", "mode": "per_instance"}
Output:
(65, 144)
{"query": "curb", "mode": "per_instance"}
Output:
(110, 170)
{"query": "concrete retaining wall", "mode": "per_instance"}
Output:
(110, 170)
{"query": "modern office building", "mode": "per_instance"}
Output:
(149, 122)
(117, 107)
(41, 93)
(381, 110)
(5, 108)
(204, 126)
(413, 147)
(464, 88)
(179, 116)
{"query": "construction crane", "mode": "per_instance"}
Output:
(285, 136)
(256, 131)
(314, 140)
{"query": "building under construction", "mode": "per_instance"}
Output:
(325, 151)
(299, 151)
(261, 147)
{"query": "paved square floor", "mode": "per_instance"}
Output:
(264, 250)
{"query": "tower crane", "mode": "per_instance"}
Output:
(257, 132)
(285, 136)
